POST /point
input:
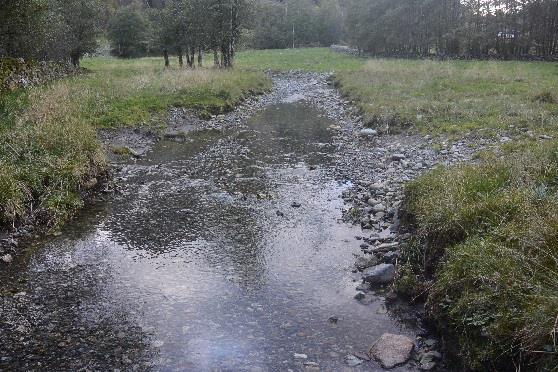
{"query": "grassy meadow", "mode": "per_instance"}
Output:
(454, 97)
(308, 60)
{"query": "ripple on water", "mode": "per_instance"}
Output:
(201, 262)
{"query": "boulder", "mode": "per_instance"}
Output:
(392, 350)
(379, 274)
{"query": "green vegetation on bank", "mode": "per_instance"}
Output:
(129, 92)
(49, 152)
(454, 96)
(487, 256)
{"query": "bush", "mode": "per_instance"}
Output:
(489, 235)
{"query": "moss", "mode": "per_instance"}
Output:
(121, 150)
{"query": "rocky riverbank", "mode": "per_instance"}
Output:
(377, 166)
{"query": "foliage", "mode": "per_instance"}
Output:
(296, 23)
(49, 29)
(489, 236)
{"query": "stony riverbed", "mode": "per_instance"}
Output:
(264, 239)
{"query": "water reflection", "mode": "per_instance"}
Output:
(201, 261)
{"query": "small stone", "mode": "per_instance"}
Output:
(363, 263)
(398, 157)
(367, 132)
(378, 208)
(360, 296)
(427, 360)
(7, 258)
(333, 320)
(505, 139)
(430, 342)
(363, 287)
(386, 247)
(379, 274)
(300, 356)
(391, 257)
(392, 350)
(362, 356)
(279, 214)
(353, 361)
(296, 205)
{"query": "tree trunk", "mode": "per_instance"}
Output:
(216, 58)
(74, 57)
(192, 56)
(166, 56)
(180, 58)
(188, 59)
(200, 57)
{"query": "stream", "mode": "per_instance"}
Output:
(222, 251)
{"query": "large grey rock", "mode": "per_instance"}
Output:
(392, 350)
(379, 274)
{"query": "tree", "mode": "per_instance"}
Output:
(23, 27)
(82, 26)
(129, 32)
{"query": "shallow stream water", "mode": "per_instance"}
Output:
(225, 251)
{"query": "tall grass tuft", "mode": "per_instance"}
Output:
(489, 242)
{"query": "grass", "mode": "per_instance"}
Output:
(49, 152)
(305, 59)
(454, 97)
(488, 245)
(130, 92)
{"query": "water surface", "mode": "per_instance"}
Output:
(222, 252)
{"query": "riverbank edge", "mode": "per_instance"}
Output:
(117, 145)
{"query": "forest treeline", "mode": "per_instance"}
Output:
(463, 28)
(70, 29)
(58, 29)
